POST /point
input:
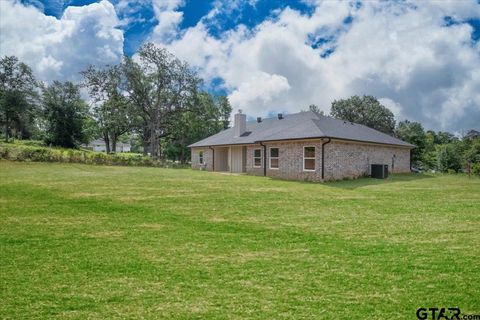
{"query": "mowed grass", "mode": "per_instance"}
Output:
(81, 241)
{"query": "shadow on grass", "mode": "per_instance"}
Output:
(367, 181)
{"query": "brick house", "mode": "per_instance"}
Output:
(300, 146)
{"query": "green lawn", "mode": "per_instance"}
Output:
(97, 242)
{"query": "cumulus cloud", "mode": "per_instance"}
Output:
(61, 48)
(417, 57)
(405, 53)
(168, 17)
(260, 90)
(393, 106)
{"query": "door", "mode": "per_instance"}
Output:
(237, 159)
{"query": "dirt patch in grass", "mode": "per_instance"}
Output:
(154, 226)
(107, 234)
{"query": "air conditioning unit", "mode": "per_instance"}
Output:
(379, 171)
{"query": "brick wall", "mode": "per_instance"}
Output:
(207, 158)
(347, 159)
(250, 168)
(290, 164)
(342, 159)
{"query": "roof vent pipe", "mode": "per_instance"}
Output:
(259, 119)
(280, 116)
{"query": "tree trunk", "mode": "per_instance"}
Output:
(145, 147)
(107, 143)
(114, 143)
(6, 129)
(182, 156)
(145, 139)
(154, 146)
(182, 151)
(154, 141)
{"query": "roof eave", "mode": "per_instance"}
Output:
(407, 145)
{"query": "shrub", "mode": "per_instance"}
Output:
(33, 143)
(33, 152)
(476, 169)
(40, 154)
(4, 153)
(100, 158)
(449, 159)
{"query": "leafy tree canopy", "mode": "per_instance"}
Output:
(112, 110)
(17, 97)
(412, 132)
(365, 110)
(65, 113)
(207, 116)
(449, 158)
(159, 86)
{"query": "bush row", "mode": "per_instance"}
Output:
(17, 152)
(476, 169)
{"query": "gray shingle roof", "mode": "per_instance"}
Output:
(303, 125)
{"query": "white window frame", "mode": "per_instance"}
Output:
(314, 158)
(257, 158)
(201, 160)
(270, 158)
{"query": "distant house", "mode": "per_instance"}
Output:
(99, 146)
(472, 134)
(300, 146)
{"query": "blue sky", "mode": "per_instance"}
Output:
(419, 58)
(135, 33)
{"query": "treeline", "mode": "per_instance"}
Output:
(154, 101)
(435, 151)
(441, 151)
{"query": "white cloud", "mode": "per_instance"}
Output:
(61, 48)
(168, 19)
(401, 52)
(395, 107)
(259, 90)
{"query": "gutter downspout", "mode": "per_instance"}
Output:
(264, 159)
(410, 159)
(323, 157)
(213, 158)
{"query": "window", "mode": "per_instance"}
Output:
(257, 158)
(273, 158)
(200, 157)
(308, 158)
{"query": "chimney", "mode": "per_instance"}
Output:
(239, 123)
(259, 119)
(280, 116)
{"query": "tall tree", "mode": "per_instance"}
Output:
(472, 152)
(429, 156)
(449, 157)
(445, 137)
(160, 86)
(17, 94)
(365, 110)
(65, 113)
(207, 116)
(413, 133)
(225, 109)
(111, 108)
(314, 108)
